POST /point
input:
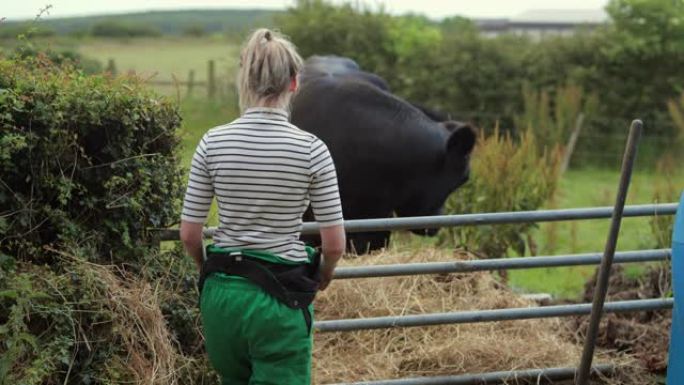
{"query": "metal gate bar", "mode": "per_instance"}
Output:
(497, 264)
(432, 222)
(540, 376)
(603, 276)
(345, 325)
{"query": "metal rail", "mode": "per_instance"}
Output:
(537, 376)
(344, 325)
(432, 222)
(596, 309)
(497, 264)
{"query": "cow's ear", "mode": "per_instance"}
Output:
(462, 140)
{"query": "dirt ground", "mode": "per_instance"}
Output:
(643, 335)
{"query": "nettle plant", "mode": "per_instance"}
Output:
(83, 159)
(507, 174)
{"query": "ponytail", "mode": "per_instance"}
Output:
(268, 63)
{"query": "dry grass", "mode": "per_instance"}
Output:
(436, 350)
(149, 355)
(148, 351)
(152, 357)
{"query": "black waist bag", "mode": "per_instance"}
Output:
(293, 285)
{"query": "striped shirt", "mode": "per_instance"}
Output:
(264, 172)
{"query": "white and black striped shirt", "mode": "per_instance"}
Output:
(263, 172)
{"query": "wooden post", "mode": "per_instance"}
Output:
(211, 79)
(570, 148)
(111, 67)
(191, 82)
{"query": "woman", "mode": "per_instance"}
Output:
(264, 172)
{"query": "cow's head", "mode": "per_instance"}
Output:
(452, 170)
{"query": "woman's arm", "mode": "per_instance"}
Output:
(327, 209)
(191, 236)
(333, 245)
(196, 204)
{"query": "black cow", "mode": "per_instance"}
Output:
(340, 68)
(391, 158)
(345, 68)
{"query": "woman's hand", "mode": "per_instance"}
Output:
(326, 277)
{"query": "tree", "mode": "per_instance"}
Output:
(642, 61)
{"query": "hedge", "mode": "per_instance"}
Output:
(83, 159)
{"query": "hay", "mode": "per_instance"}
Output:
(436, 350)
(141, 348)
(147, 350)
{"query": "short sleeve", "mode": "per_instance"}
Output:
(324, 192)
(200, 191)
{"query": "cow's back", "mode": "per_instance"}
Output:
(362, 124)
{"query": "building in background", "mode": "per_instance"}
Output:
(540, 23)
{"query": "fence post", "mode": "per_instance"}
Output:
(572, 142)
(111, 67)
(211, 79)
(607, 261)
(675, 367)
(191, 82)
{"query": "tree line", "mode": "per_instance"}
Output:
(630, 66)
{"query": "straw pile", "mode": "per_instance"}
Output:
(146, 349)
(94, 321)
(435, 350)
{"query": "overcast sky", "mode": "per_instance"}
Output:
(21, 9)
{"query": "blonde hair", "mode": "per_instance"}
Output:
(268, 63)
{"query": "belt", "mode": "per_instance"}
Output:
(293, 285)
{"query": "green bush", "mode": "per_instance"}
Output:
(553, 116)
(676, 109)
(318, 27)
(84, 159)
(14, 30)
(665, 190)
(194, 30)
(59, 57)
(472, 77)
(507, 174)
(113, 28)
(77, 322)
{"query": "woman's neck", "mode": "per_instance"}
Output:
(280, 103)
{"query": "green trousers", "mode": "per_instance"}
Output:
(252, 338)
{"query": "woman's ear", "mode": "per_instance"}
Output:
(294, 84)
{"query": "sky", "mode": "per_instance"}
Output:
(23, 9)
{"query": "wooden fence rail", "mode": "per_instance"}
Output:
(211, 84)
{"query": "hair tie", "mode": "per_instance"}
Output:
(268, 36)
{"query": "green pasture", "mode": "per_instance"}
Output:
(579, 188)
(585, 188)
(163, 58)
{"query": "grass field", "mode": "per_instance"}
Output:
(165, 58)
(585, 188)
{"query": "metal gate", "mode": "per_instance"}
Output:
(605, 259)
